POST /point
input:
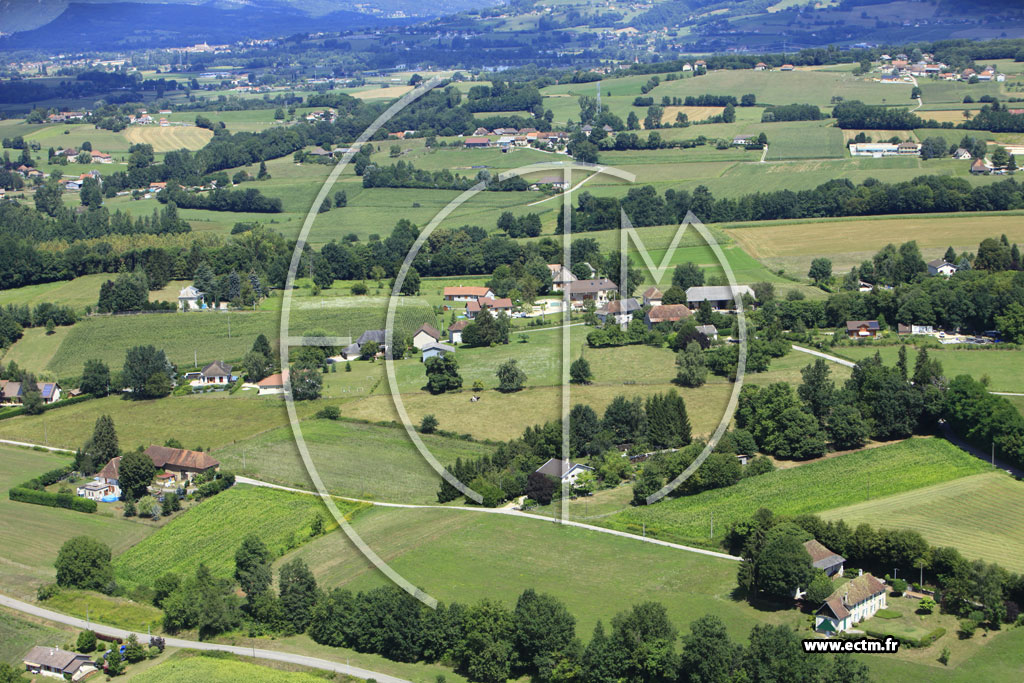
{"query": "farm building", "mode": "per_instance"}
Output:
(477, 142)
(185, 464)
(425, 336)
(57, 663)
(824, 559)
(862, 329)
(851, 604)
(719, 296)
(669, 313)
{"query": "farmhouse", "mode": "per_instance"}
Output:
(941, 267)
(979, 167)
(719, 296)
(852, 603)
(620, 311)
(217, 372)
(669, 313)
(493, 305)
(476, 142)
(184, 463)
(425, 336)
(553, 468)
(191, 299)
(555, 181)
(272, 385)
(560, 276)
(652, 296)
(467, 293)
(57, 663)
(596, 290)
(862, 329)
(455, 331)
(435, 349)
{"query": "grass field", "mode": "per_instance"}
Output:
(692, 113)
(213, 530)
(208, 421)
(958, 513)
(81, 292)
(353, 459)
(31, 535)
(18, 634)
(1003, 367)
(810, 141)
(213, 668)
(813, 487)
(792, 245)
(107, 609)
(168, 138)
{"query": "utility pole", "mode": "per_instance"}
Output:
(993, 454)
(712, 534)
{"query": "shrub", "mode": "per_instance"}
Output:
(429, 424)
(47, 591)
(329, 413)
(86, 641)
(225, 481)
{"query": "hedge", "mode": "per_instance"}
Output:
(924, 641)
(211, 488)
(47, 478)
(53, 500)
(19, 410)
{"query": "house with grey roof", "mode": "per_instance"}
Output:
(618, 311)
(598, 290)
(57, 663)
(435, 350)
(553, 468)
(720, 297)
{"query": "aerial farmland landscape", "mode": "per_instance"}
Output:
(540, 341)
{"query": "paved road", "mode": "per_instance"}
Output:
(302, 660)
(35, 445)
(826, 356)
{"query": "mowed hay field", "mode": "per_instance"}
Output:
(812, 487)
(218, 668)
(31, 535)
(793, 245)
(692, 113)
(169, 138)
(982, 516)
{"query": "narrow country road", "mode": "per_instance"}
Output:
(274, 655)
(826, 356)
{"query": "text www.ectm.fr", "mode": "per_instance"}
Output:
(889, 645)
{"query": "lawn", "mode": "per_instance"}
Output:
(213, 530)
(18, 634)
(815, 140)
(1003, 367)
(353, 459)
(31, 535)
(107, 609)
(80, 292)
(809, 488)
(793, 244)
(956, 513)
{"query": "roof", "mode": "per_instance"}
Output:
(437, 346)
(821, 556)
(553, 468)
(12, 389)
(621, 306)
(477, 141)
(853, 593)
(467, 291)
(940, 262)
(275, 380)
(707, 330)
(429, 329)
(668, 313)
(47, 389)
(601, 284)
(55, 658)
(217, 368)
(372, 336)
(497, 304)
(94, 486)
(836, 607)
(653, 293)
(162, 456)
(716, 292)
(112, 469)
(189, 292)
(852, 325)
(458, 325)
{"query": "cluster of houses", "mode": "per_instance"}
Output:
(74, 184)
(97, 157)
(12, 393)
(509, 138)
(67, 116)
(179, 467)
(885, 149)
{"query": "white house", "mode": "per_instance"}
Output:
(850, 604)
(455, 331)
(619, 311)
(941, 267)
(467, 293)
(109, 476)
(425, 336)
(553, 468)
(560, 276)
(272, 385)
(97, 490)
(190, 299)
(653, 296)
(719, 296)
(217, 372)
